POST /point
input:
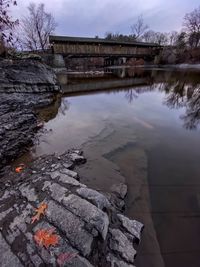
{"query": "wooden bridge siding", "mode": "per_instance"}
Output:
(100, 49)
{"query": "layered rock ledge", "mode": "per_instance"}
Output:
(19, 122)
(89, 223)
(27, 76)
(25, 85)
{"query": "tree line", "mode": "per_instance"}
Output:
(33, 30)
(189, 36)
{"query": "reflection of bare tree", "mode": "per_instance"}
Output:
(176, 95)
(134, 92)
(130, 95)
(187, 96)
(181, 91)
(192, 114)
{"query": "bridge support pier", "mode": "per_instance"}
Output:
(58, 61)
(121, 73)
(108, 62)
(117, 61)
(122, 60)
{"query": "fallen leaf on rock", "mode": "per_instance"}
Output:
(65, 257)
(20, 168)
(39, 211)
(46, 238)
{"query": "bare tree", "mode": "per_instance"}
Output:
(139, 28)
(37, 27)
(161, 38)
(173, 37)
(181, 41)
(119, 37)
(192, 27)
(149, 36)
(7, 24)
(108, 35)
(155, 37)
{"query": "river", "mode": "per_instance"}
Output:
(140, 127)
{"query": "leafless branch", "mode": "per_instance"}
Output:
(139, 28)
(36, 27)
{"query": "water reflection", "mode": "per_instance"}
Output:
(130, 95)
(65, 105)
(49, 112)
(192, 116)
(128, 72)
(132, 126)
(181, 91)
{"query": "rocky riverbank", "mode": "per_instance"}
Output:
(47, 216)
(25, 85)
(89, 225)
(27, 76)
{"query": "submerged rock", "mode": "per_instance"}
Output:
(120, 190)
(80, 216)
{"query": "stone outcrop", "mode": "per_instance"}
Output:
(24, 86)
(86, 221)
(18, 122)
(27, 76)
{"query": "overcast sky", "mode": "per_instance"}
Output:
(95, 17)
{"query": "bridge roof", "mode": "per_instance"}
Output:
(70, 39)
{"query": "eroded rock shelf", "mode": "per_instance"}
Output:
(88, 222)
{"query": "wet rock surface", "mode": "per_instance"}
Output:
(18, 122)
(25, 85)
(27, 76)
(89, 226)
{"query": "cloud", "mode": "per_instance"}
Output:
(95, 17)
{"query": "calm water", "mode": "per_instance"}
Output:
(147, 135)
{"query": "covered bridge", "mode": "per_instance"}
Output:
(77, 47)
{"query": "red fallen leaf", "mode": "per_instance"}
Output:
(46, 238)
(40, 211)
(20, 168)
(65, 257)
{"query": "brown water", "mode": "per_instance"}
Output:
(148, 136)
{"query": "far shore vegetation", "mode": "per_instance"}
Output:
(31, 33)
